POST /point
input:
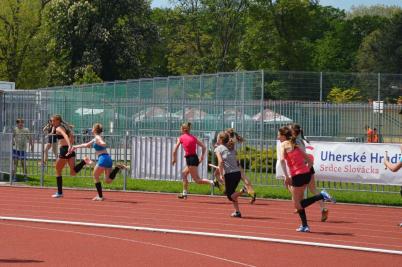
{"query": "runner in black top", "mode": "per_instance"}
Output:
(66, 139)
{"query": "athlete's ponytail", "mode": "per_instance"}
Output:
(186, 127)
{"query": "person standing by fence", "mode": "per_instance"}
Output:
(190, 143)
(369, 133)
(21, 136)
(51, 141)
(65, 136)
(300, 175)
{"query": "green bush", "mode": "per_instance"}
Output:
(252, 158)
(340, 95)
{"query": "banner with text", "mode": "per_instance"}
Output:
(352, 162)
(152, 159)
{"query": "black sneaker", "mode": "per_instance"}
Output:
(236, 214)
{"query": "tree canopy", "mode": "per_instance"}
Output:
(59, 42)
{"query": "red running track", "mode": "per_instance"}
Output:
(64, 245)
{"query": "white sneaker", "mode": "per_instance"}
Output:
(98, 198)
(303, 229)
(57, 195)
(327, 197)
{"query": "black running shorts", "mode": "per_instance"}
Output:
(231, 182)
(64, 151)
(192, 160)
(301, 179)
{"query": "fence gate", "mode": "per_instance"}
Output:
(6, 156)
(152, 156)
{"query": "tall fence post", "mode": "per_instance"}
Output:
(261, 105)
(321, 87)
(42, 169)
(379, 86)
(11, 160)
(125, 161)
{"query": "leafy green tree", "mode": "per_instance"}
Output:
(373, 10)
(205, 35)
(337, 50)
(20, 24)
(115, 37)
(87, 75)
(381, 51)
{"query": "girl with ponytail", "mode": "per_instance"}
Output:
(296, 181)
(301, 141)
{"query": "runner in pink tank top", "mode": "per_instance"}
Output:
(189, 143)
(296, 163)
(303, 143)
(300, 176)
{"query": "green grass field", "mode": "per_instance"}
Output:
(272, 192)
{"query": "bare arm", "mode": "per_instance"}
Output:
(84, 144)
(204, 150)
(283, 165)
(393, 167)
(220, 164)
(174, 154)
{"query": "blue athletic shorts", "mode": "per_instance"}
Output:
(19, 154)
(105, 161)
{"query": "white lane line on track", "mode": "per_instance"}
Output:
(134, 241)
(208, 234)
(209, 229)
(73, 211)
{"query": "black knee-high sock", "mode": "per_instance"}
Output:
(79, 166)
(303, 217)
(59, 181)
(98, 186)
(114, 173)
(308, 201)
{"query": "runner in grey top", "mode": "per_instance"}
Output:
(229, 159)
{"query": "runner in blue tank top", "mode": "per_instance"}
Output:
(104, 163)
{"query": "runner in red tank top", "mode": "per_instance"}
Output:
(295, 158)
(189, 143)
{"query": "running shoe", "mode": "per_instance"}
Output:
(400, 225)
(217, 184)
(98, 198)
(182, 196)
(236, 214)
(327, 197)
(324, 214)
(121, 166)
(253, 196)
(57, 195)
(87, 160)
(303, 229)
